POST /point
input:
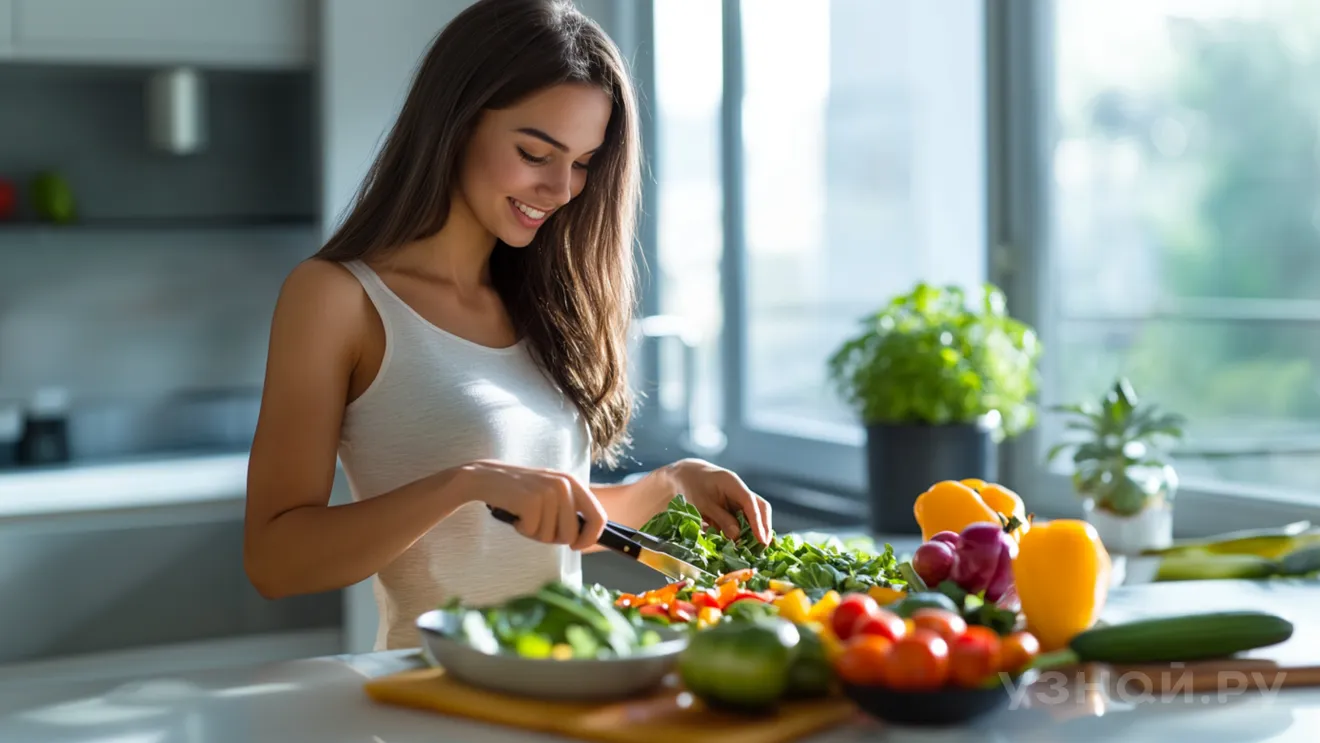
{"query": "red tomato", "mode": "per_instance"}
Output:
(917, 662)
(1017, 650)
(942, 622)
(882, 622)
(974, 657)
(851, 608)
(862, 660)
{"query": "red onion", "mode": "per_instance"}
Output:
(979, 550)
(933, 561)
(1002, 580)
(949, 537)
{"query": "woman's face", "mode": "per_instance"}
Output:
(526, 161)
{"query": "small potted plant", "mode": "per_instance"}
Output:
(939, 379)
(1121, 468)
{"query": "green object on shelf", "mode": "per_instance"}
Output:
(52, 197)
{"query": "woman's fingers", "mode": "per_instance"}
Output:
(753, 506)
(593, 515)
(726, 521)
(566, 506)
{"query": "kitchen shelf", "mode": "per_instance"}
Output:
(163, 223)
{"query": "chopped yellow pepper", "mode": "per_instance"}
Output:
(1062, 577)
(823, 608)
(707, 616)
(794, 606)
(950, 505)
(830, 643)
(884, 595)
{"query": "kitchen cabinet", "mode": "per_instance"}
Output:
(215, 33)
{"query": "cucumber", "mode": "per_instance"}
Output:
(1181, 638)
(1215, 567)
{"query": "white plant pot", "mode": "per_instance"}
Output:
(1152, 528)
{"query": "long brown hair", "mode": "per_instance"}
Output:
(570, 292)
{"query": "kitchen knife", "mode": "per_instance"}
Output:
(617, 537)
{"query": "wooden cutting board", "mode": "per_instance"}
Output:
(664, 717)
(1294, 663)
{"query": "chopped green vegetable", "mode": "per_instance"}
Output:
(816, 565)
(558, 618)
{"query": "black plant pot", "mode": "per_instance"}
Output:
(904, 460)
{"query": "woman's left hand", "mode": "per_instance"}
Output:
(720, 495)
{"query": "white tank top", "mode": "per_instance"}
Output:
(439, 401)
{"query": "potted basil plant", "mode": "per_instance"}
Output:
(939, 379)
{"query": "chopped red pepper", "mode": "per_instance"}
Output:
(704, 599)
(655, 610)
(682, 611)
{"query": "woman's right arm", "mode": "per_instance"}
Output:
(294, 541)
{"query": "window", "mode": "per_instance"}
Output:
(1184, 184)
(843, 163)
(861, 154)
(688, 96)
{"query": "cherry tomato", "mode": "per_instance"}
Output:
(862, 660)
(1017, 650)
(882, 622)
(974, 656)
(917, 662)
(942, 622)
(851, 608)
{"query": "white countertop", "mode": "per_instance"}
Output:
(122, 485)
(321, 700)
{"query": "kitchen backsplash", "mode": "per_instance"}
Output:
(153, 309)
(136, 324)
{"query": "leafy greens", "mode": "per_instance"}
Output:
(815, 567)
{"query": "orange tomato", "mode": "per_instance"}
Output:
(917, 662)
(942, 622)
(1017, 650)
(862, 661)
(974, 657)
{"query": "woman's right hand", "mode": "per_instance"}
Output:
(546, 502)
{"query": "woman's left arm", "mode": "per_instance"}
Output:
(720, 495)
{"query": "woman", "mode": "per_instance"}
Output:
(459, 342)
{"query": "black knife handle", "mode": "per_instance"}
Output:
(608, 538)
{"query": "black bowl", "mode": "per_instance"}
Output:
(951, 705)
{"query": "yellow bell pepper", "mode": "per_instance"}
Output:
(830, 643)
(824, 607)
(950, 505)
(708, 616)
(794, 606)
(884, 595)
(1062, 576)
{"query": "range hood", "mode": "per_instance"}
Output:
(176, 111)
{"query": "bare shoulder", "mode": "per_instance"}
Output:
(322, 285)
(323, 295)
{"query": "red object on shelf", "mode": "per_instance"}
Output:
(8, 199)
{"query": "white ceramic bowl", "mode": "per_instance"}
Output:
(573, 679)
